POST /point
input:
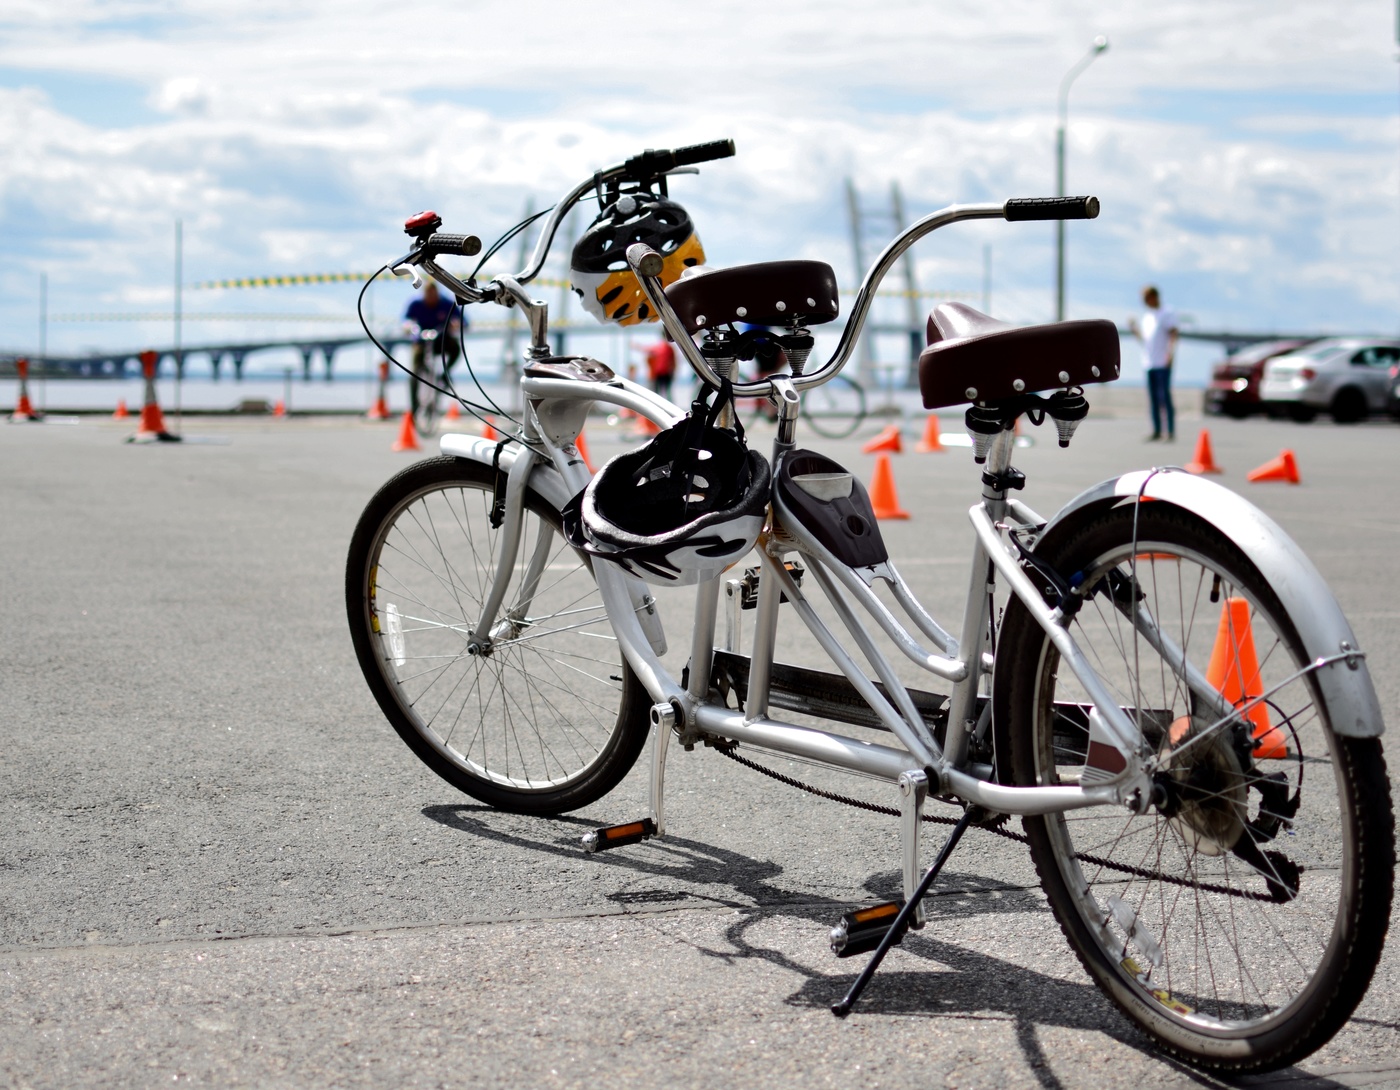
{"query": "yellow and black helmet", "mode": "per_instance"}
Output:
(599, 271)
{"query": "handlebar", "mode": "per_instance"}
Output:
(647, 264)
(443, 243)
(642, 259)
(1052, 208)
(644, 168)
(654, 163)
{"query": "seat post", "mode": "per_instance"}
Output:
(718, 350)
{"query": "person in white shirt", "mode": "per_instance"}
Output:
(1158, 333)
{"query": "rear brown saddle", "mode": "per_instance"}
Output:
(970, 357)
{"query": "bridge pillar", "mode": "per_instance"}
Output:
(216, 360)
(306, 351)
(328, 352)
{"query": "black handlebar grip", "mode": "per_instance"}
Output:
(1051, 208)
(703, 153)
(444, 243)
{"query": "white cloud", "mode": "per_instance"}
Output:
(182, 95)
(1242, 152)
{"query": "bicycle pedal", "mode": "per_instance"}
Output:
(863, 928)
(617, 836)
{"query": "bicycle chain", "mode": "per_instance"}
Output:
(1020, 838)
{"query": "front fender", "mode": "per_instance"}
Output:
(549, 484)
(1352, 704)
(545, 479)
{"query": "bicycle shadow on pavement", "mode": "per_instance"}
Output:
(964, 984)
(694, 870)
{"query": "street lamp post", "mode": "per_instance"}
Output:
(1098, 46)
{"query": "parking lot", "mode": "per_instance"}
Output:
(219, 865)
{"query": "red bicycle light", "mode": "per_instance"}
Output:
(425, 223)
(1307, 374)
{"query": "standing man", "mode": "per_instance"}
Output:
(436, 326)
(1158, 333)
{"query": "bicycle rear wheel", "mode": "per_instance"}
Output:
(551, 717)
(836, 408)
(1240, 919)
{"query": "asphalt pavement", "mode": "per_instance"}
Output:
(218, 864)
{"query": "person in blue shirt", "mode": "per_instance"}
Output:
(436, 325)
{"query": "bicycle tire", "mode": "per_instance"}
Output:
(553, 717)
(1222, 995)
(835, 409)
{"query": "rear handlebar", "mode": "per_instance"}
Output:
(1052, 208)
(641, 258)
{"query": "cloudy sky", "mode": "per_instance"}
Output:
(1247, 154)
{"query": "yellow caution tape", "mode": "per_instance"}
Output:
(543, 281)
(285, 281)
(198, 316)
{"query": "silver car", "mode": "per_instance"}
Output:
(1348, 377)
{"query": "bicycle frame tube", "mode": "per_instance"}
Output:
(963, 661)
(1125, 734)
(753, 725)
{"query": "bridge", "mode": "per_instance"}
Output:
(124, 364)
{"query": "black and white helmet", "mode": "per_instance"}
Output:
(598, 269)
(678, 511)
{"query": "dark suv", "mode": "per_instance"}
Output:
(1234, 381)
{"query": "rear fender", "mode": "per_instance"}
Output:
(1346, 685)
(547, 482)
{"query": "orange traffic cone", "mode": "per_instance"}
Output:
(380, 409)
(932, 440)
(120, 412)
(648, 427)
(1234, 670)
(1204, 460)
(152, 426)
(581, 445)
(887, 440)
(488, 431)
(24, 411)
(279, 408)
(408, 438)
(452, 415)
(883, 498)
(1282, 468)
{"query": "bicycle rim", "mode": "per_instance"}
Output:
(1220, 913)
(836, 409)
(537, 711)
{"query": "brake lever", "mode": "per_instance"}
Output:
(402, 268)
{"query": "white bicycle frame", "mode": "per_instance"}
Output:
(545, 459)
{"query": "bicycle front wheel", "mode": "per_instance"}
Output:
(836, 408)
(427, 401)
(550, 717)
(1240, 919)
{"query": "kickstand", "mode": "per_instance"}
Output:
(901, 922)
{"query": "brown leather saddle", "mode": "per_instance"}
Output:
(973, 357)
(767, 293)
